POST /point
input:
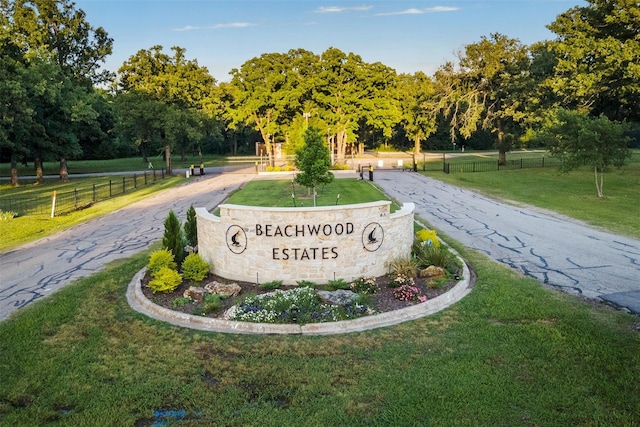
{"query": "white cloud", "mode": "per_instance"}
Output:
(414, 11)
(216, 26)
(338, 9)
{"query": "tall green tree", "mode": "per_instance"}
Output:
(313, 160)
(60, 55)
(349, 91)
(268, 92)
(578, 139)
(185, 90)
(598, 58)
(416, 94)
(486, 89)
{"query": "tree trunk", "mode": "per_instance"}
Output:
(14, 172)
(167, 159)
(64, 173)
(340, 146)
(416, 146)
(235, 144)
(143, 151)
(38, 164)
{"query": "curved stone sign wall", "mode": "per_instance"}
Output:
(257, 244)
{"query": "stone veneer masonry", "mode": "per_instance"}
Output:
(257, 244)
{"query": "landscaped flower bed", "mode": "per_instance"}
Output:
(409, 283)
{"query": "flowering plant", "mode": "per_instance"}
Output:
(364, 285)
(401, 279)
(408, 293)
(299, 305)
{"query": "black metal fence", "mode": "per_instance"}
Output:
(493, 165)
(79, 198)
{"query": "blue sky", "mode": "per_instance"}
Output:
(408, 36)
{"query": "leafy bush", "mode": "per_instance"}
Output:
(181, 302)
(165, 280)
(306, 284)
(161, 258)
(211, 304)
(270, 286)
(432, 255)
(194, 268)
(404, 265)
(364, 285)
(334, 285)
(172, 238)
(429, 237)
(191, 227)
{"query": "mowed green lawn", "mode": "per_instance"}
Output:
(572, 194)
(511, 353)
(285, 193)
(27, 228)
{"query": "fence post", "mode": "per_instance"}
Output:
(521, 164)
(145, 177)
(135, 181)
(542, 161)
(94, 193)
(53, 204)
(124, 183)
(110, 189)
(162, 173)
(75, 198)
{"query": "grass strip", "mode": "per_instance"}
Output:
(28, 228)
(572, 194)
(510, 353)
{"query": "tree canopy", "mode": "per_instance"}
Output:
(497, 94)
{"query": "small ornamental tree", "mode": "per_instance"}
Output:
(191, 227)
(578, 139)
(313, 160)
(172, 239)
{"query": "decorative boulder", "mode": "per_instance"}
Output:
(433, 272)
(228, 290)
(195, 293)
(339, 297)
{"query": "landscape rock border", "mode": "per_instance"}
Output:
(141, 304)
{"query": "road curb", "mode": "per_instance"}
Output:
(141, 304)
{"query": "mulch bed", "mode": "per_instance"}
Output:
(381, 301)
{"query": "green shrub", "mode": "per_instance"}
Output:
(191, 227)
(428, 236)
(406, 266)
(432, 255)
(161, 258)
(172, 238)
(334, 285)
(211, 304)
(306, 284)
(165, 280)
(270, 286)
(194, 268)
(181, 302)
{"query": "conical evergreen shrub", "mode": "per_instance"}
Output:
(191, 227)
(172, 239)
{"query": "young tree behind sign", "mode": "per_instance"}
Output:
(313, 160)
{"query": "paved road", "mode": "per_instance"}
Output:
(553, 249)
(40, 268)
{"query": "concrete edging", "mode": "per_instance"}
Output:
(141, 304)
